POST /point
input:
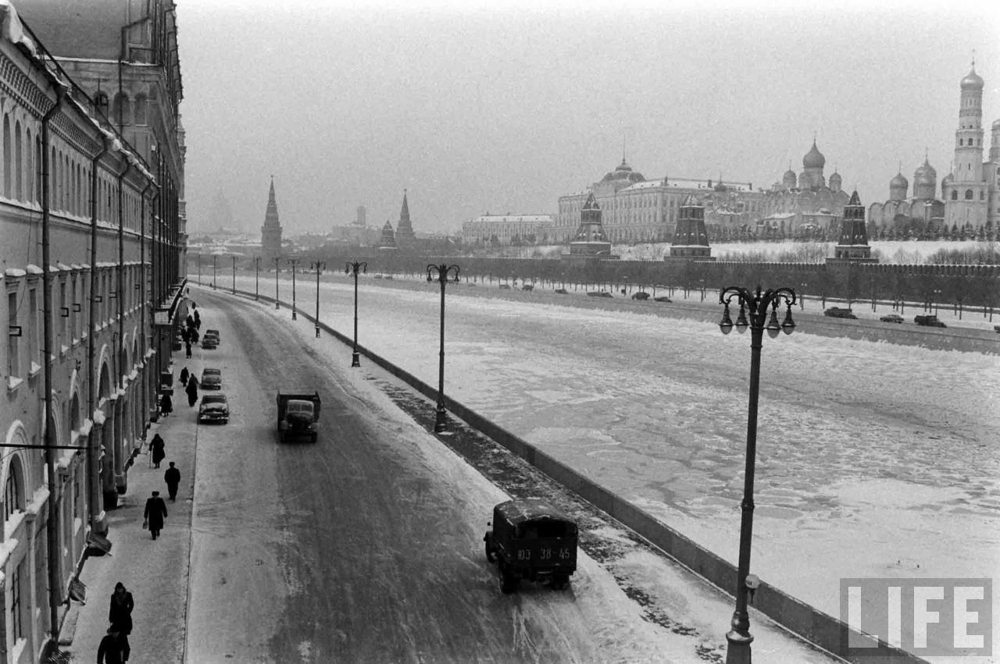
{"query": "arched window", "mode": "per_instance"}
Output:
(120, 110)
(101, 103)
(968, 194)
(960, 142)
(954, 195)
(18, 163)
(13, 492)
(29, 167)
(6, 156)
(140, 110)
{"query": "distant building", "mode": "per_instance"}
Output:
(902, 214)
(590, 240)
(405, 237)
(387, 242)
(508, 229)
(271, 230)
(639, 210)
(358, 233)
(853, 243)
(691, 238)
(804, 204)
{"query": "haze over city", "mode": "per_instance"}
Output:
(476, 108)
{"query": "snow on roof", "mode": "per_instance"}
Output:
(522, 218)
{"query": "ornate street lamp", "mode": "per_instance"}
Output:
(294, 262)
(234, 275)
(441, 273)
(319, 267)
(214, 257)
(277, 269)
(199, 268)
(753, 314)
(355, 268)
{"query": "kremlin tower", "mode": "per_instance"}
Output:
(271, 230)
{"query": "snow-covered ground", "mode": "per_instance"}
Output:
(873, 459)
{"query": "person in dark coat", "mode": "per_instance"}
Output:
(166, 405)
(194, 336)
(187, 348)
(197, 320)
(120, 617)
(192, 391)
(184, 376)
(155, 512)
(173, 479)
(157, 450)
(110, 651)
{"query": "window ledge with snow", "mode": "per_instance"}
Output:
(13, 382)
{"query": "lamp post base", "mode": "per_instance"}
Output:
(738, 651)
(277, 305)
(355, 359)
(440, 419)
(317, 331)
(294, 317)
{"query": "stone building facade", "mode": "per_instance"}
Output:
(804, 204)
(639, 210)
(508, 229)
(91, 263)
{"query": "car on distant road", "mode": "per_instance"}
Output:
(891, 318)
(527, 287)
(662, 298)
(928, 321)
(562, 291)
(641, 295)
(602, 293)
(505, 286)
(211, 379)
(839, 312)
(209, 342)
(214, 408)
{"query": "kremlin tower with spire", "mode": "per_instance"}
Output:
(271, 230)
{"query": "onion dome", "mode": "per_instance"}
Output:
(789, 179)
(721, 187)
(835, 178)
(814, 158)
(925, 174)
(972, 81)
(948, 179)
(899, 182)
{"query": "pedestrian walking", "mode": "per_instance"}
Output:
(120, 617)
(197, 319)
(154, 514)
(192, 391)
(166, 405)
(173, 478)
(184, 376)
(157, 450)
(187, 348)
(194, 336)
(110, 650)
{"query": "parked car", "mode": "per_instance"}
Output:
(662, 298)
(839, 312)
(209, 342)
(928, 321)
(641, 295)
(562, 291)
(527, 287)
(531, 539)
(214, 408)
(211, 379)
(891, 318)
(212, 333)
(602, 293)
(505, 286)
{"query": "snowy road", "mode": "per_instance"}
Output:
(874, 460)
(367, 546)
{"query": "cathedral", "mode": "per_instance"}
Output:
(970, 193)
(806, 203)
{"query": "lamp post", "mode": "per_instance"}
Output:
(199, 268)
(256, 279)
(357, 268)
(277, 269)
(319, 267)
(441, 273)
(754, 306)
(293, 262)
(214, 262)
(234, 275)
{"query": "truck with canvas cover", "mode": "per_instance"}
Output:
(531, 539)
(298, 415)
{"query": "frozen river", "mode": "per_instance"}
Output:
(874, 460)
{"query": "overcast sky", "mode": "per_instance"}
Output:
(500, 107)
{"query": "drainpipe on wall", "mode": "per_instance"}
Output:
(122, 484)
(142, 307)
(94, 457)
(55, 585)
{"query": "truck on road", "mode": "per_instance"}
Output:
(297, 416)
